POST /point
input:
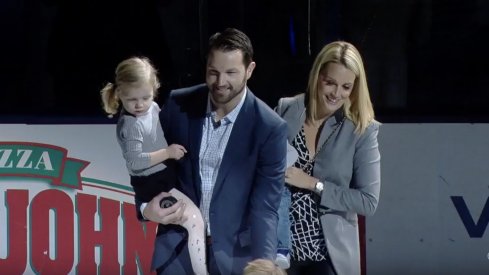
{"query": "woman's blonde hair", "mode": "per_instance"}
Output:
(358, 107)
(131, 71)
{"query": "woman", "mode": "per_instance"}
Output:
(337, 174)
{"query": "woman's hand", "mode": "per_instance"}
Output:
(298, 178)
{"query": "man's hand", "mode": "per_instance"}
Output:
(170, 215)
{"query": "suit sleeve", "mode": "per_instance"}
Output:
(268, 185)
(139, 215)
(165, 117)
(362, 195)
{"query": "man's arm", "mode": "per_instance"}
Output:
(267, 189)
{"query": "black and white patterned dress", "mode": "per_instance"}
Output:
(307, 237)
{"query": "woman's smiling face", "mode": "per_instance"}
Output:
(335, 84)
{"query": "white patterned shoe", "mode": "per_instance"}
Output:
(283, 261)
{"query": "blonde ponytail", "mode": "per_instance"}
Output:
(110, 99)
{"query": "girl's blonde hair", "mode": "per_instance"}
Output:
(132, 71)
(358, 107)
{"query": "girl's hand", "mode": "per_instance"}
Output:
(176, 151)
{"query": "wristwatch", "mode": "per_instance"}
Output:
(318, 188)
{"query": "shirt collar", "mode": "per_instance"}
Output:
(231, 116)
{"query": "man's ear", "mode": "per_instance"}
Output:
(249, 70)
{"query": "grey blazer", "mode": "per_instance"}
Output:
(349, 167)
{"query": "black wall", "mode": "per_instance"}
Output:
(425, 60)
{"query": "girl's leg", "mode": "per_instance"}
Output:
(196, 232)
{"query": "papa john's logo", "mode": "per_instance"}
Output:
(54, 221)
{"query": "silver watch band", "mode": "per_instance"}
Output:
(318, 188)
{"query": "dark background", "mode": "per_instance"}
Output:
(425, 60)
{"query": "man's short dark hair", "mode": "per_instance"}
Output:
(232, 39)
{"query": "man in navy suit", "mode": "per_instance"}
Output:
(234, 168)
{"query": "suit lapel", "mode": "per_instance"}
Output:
(295, 125)
(330, 126)
(196, 121)
(238, 143)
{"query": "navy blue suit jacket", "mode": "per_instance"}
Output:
(246, 195)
